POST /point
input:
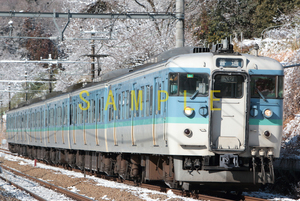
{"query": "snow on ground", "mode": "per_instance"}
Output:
(269, 196)
(34, 187)
(11, 190)
(139, 192)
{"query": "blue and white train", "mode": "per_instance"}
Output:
(189, 117)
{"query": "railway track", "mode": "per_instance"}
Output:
(66, 192)
(160, 188)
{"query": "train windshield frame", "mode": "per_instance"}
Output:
(192, 83)
(267, 86)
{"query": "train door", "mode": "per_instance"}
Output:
(229, 112)
(159, 107)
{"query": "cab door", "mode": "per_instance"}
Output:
(229, 112)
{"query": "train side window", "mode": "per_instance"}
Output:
(147, 100)
(119, 107)
(38, 119)
(151, 99)
(86, 116)
(99, 110)
(93, 111)
(33, 120)
(109, 113)
(137, 107)
(102, 109)
(143, 100)
(46, 118)
(65, 114)
(159, 89)
(75, 114)
(90, 111)
(51, 117)
(112, 112)
(127, 105)
(71, 114)
(123, 105)
(43, 119)
(173, 85)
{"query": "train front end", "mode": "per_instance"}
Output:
(225, 118)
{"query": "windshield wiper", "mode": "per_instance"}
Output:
(261, 95)
(195, 94)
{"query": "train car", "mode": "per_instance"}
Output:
(190, 116)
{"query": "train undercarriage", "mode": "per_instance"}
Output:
(184, 172)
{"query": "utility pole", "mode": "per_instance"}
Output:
(26, 86)
(50, 77)
(180, 23)
(1, 117)
(93, 58)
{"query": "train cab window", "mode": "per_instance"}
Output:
(230, 86)
(192, 83)
(267, 87)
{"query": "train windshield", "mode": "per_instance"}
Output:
(267, 87)
(228, 86)
(193, 84)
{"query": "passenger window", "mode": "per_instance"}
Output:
(147, 100)
(129, 100)
(71, 115)
(75, 114)
(99, 110)
(128, 109)
(102, 109)
(119, 107)
(65, 115)
(142, 102)
(159, 89)
(123, 105)
(137, 107)
(94, 112)
(151, 99)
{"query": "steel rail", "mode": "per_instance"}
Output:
(160, 188)
(24, 189)
(50, 186)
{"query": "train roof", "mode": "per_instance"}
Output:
(180, 54)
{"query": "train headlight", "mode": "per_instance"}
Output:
(187, 132)
(188, 111)
(267, 134)
(267, 113)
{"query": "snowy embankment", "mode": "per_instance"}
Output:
(140, 193)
